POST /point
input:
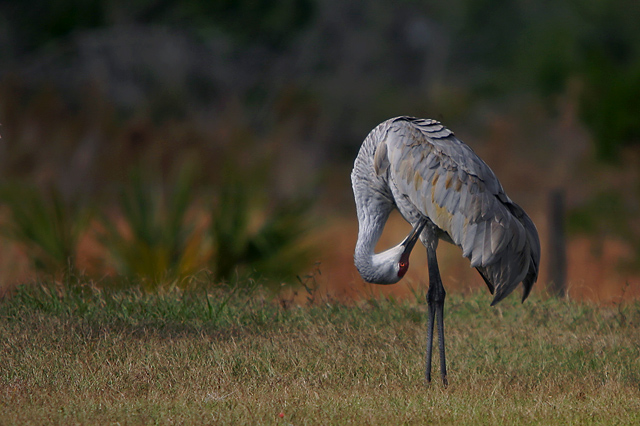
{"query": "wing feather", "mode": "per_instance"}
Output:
(457, 226)
(432, 160)
(478, 245)
(469, 235)
(498, 239)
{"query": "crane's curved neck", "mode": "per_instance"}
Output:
(371, 224)
(370, 227)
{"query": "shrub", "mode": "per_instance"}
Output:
(46, 224)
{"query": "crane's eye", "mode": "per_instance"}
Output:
(402, 268)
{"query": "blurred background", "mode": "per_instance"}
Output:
(168, 141)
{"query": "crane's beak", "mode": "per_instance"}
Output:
(411, 239)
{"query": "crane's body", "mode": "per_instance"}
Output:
(445, 191)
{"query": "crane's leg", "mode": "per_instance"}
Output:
(435, 303)
(431, 313)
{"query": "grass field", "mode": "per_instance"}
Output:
(79, 355)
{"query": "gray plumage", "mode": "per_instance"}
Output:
(440, 185)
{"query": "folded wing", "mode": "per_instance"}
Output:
(446, 181)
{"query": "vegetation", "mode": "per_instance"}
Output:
(157, 234)
(246, 20)
(45, 224)
(491, 50)
(158, 244)
(274, 249)
(607, 213)
(81, 354)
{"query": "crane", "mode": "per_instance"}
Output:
(446, 192)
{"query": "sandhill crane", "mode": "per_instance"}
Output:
(446, 192)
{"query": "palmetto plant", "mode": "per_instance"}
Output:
(150, 237)
(269, 248)
(46, 224)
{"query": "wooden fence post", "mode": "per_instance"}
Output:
(557, 255)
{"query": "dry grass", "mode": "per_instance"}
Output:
(88, 356)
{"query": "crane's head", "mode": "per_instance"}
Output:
(391, 265)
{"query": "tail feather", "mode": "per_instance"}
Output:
(483, 274)
(534, 245)
(517, 264)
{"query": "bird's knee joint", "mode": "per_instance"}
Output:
(436, 296)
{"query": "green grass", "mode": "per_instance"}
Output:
(83, 355)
